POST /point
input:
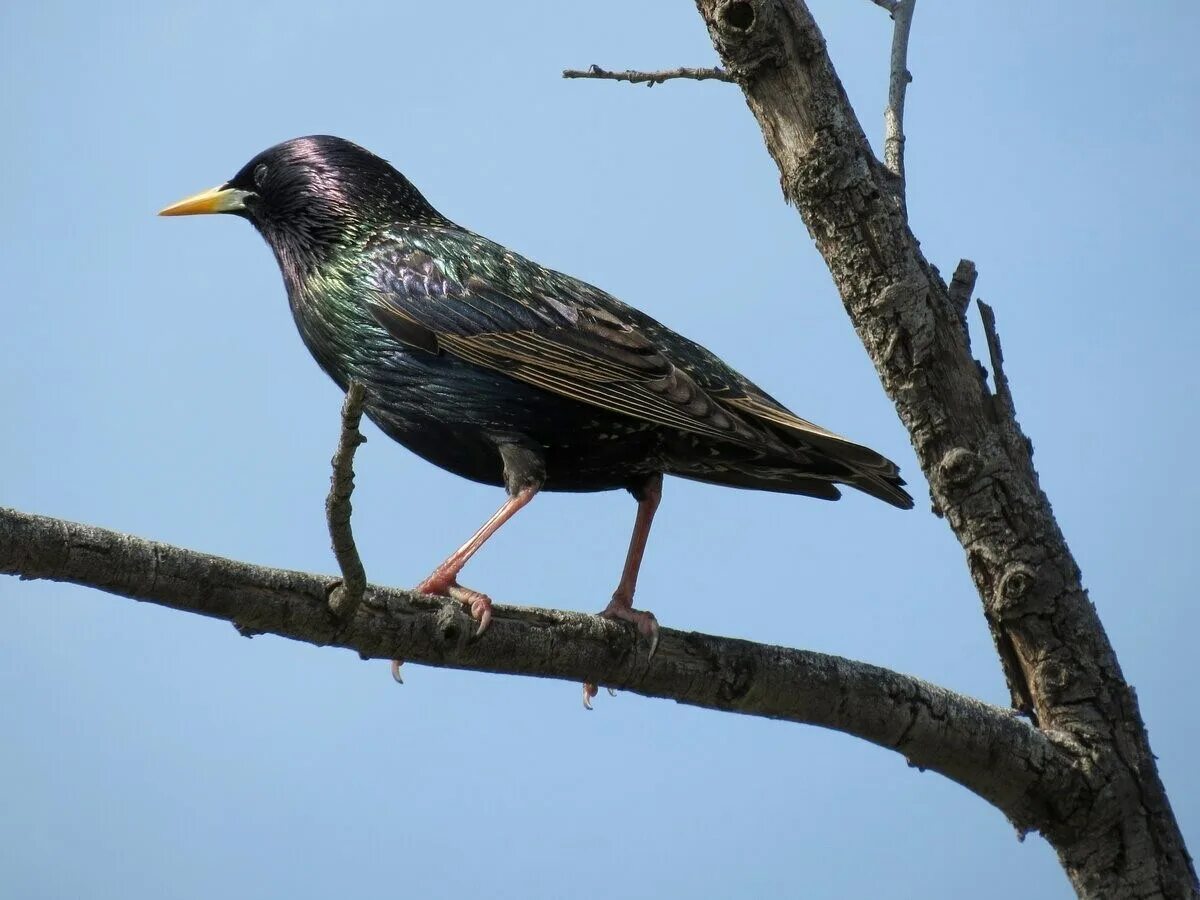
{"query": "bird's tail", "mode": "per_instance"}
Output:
(816, 474)
(817, 458)
(870, 472)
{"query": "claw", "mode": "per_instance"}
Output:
(647, 624)
(589, 691)
(479, 604)
(396, 664)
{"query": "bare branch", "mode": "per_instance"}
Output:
(989, 750)
(649, 78)
(889, 5)
(962, 285)
(1118, 837)
(345, 596)
(996, 356)
(893, 117)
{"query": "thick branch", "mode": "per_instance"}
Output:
(649, 78)
(989, 750)
(1120, 838)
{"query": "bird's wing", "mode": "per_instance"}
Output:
(552, 332)
(741, 396)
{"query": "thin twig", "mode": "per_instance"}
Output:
(650, 78)
(893, 117)
(345, 597)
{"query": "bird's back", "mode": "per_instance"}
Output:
(638, 394)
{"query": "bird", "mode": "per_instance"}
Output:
(508, 373)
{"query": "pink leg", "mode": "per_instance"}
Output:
(443, 581)
(622, 599)
(621, 605)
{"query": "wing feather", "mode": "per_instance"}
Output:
(565, 344)
(498, 311)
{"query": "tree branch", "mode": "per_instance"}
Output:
(345, 596)
(962, 285)
(996, 357)
(989, 750)
(893, 116)
(649, 78)
(1120, 837)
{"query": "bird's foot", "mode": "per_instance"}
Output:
(443, 584)
(623, 611)
(590, 690)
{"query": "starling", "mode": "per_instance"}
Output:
(508, 373)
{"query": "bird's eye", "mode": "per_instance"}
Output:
(260, 174)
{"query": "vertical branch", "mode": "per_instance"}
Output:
(893, 117)
(1119, 838)
(996, 357)
(962, 285)
(346, 594)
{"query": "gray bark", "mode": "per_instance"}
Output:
(1079, 769)
(1118, 837)
(991, 751)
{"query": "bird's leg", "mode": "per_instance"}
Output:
(621, 606)
(524, 473)
(444, 579)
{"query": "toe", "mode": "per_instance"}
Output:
(484, 615)
(646, 622)
(479, 604)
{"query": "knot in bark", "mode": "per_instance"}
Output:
(450, 625)
(1015, 584)
(959, 467)
(824, 168)
(746, 34)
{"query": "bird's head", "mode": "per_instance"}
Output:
(310, 196)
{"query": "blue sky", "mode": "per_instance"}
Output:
(153, 383)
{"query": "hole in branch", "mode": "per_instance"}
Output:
(739, 15)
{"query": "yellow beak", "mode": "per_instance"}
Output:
(221, 199)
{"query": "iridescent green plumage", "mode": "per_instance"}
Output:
(506, 372)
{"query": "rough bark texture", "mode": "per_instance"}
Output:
(1079, 770)
(1117, 838)
(992, 751)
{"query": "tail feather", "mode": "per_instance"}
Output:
(779, 480)
(888, 489)
(870, 472)
(823, 453)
